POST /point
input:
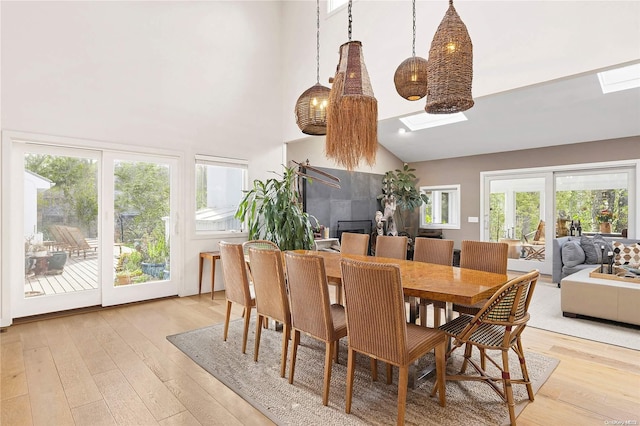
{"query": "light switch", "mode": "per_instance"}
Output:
(472, 219)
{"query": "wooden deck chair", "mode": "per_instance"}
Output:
(60, 240)
(77, 239)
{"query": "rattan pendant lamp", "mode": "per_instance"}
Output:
(450, 67)
(410, 78)
(311, 107)
(352, 114)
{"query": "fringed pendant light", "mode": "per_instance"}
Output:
(352, 114)
(411, 76)
(311, 107)
(450, 67)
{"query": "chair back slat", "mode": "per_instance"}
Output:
(352, 243)
(510, 304)
(433, 250)
(309, 295)
(234, 272)
(269, 283)
(374, 304)
(391, 247)
(484, 256)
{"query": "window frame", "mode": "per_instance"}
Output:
(210, 160)
(454, 206)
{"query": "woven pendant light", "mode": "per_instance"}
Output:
(410, 78)
(352, 114)
(450, 67)
(311, 106)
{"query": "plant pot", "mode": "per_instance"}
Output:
(605, 228)
(156, 270)
(57, 261)
(123, 279)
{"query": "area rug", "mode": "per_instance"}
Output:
(546, 314)
(374, 403)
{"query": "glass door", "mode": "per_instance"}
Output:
(93, 228)
(516, 213)
(59, 235)
(141, 227)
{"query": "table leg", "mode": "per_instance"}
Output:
(200, 275)
(213, 273)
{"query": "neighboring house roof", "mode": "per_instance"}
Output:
(40, 182)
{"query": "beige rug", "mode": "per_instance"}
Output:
(374, 403)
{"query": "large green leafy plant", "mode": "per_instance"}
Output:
(399, 186)
(272, 211)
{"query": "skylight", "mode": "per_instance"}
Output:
(424, 120)
(620, 78)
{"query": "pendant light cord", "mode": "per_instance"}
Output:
(414, 29)
(317, 41)
(350, 19)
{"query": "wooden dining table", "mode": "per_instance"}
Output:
(448, 284)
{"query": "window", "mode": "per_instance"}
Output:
(443, 208)
(219, 186)
(582, 196)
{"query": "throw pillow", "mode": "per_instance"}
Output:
(572, 254)
(590, 252)
(626, 255)
(599, 242)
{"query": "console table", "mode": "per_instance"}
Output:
(212, 256)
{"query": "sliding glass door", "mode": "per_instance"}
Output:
(141, 220)
(93, 228)
(515, 212)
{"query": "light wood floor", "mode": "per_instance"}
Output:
(115, 366)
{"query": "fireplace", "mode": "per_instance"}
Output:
(356, 227)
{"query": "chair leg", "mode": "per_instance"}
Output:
(483, 359)
(351, 364)
(436, 316)
(336, 348)
(441, 371)
(247, 319)
(508, 390)
(467, 355)
(423, 314)
(389, 373)
(256, 347)
(294, 354)
(286, 332)
(403, 382)
(374, 369)
(327, 372)
(523, 367)
(226, 321)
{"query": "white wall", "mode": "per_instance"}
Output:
(516, 43)
(190, 77)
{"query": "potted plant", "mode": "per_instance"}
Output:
(399, 190)
(605, 217)
(272, 211)
(154, 255)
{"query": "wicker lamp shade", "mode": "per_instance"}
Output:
(450, 67)
(311, 110)
(352, 113)
(410, 78)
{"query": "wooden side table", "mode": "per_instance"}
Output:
(212, 256)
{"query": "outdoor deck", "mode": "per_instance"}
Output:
(79, 274)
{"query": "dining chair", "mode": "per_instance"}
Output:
(391, 246)
(312, 313)
(432, 250)
(259, 244)
(497, 326)
(272, 300)
(484, 256)
(352, 243)
(377, 287)
(396, 248)
(236, 284)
